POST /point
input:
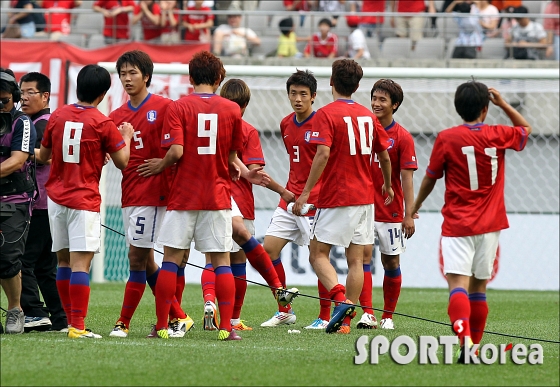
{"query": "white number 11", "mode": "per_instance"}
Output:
(471, 164)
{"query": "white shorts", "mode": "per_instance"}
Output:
(210, 230)
(250, 226)
(142, 224)
(472, 255)
(391, 241)
(235, 211)
(76, 230)
(290, 227)
(340, 226)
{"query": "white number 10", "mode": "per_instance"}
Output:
(471, 164)
(211, 133)
(71, 142)
(366, 134)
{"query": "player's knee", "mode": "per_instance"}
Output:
(390, 262)
(138, 261)
(240, 235)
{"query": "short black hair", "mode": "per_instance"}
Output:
(140, 60)
(286, 25)
(325, 21)
(93, 82)
(302, 78)
(520, 9)
(346, 76)
(470, 98)
(43, 82)
(392, 89)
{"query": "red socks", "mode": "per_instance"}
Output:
(240, 273)
(63, 285)
(259, 259)
(225, 289)
(279, 267)
(325, 311)
(175, 311)
(133, 292)
(479, 313)
(366, 298)
(79, 297)
(337, 294)
(459, 311)
(391, 291)
(208, 281)
(165, 292)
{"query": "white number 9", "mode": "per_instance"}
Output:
(211, 133)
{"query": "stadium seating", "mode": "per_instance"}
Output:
(88, 23)
(268, 46)
(429, 48)
(96, 41)
(75, 39)
(394, 48)
(373, 47)
(493, 49)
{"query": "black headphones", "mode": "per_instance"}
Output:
(16, 93)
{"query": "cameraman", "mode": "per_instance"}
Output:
(17, 138)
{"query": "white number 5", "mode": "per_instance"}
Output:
(211, 133)
(71, 142)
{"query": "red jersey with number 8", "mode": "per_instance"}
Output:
(351, 131)
(472, 158)
(79, 137)
(208, 127)
(147, 121)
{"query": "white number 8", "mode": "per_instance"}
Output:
(211, 133)
(71, 142)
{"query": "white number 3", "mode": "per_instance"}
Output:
(71, 142)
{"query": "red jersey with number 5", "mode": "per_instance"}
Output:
(147, 121)
(401, 152)
(208, 127)
(79, 136)
(472, 158)
(350, 130)
(242, 189)
(296, 136)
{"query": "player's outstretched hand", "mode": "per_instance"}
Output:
(258, 177)
(390, 194)
(496, 97)
(234, 171)
(408, 227)
(298, 205)
(126, 129)
(149, 168)
(107, 158)
(288, 196)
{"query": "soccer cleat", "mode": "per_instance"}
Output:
(15, 320)
(153, 333)
(241, 326)
(317, 324)
(344, 329)
(36, 324)
(339, 312)
(224, 335)
(179, 327)
(285, 297)
(368, 321)
(163, 333)
(210, 316)
(74, 333)
(280, 318)
(120, 330)
(387, 323)
(461, 353)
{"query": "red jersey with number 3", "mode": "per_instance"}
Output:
(296, 136)
(349, 130)
(208, 127)
(242, 189)
(79, 137)
(472, 158)
(403, 156)
(147, 121)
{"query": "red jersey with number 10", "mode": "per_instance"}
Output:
(208, 127)
(242, 189)
(472, 157)
(79, 136)
(401, 152)
(147, 121)
(351, 131)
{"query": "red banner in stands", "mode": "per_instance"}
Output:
(55, 59)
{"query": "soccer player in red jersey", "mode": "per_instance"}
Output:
(472, 158)
(78, 137)
(393, 223)
(345, 133)
(144, 199)
(245, 246)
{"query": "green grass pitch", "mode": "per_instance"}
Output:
(271, 356)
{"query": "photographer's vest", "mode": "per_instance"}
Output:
(41, 174)
(18, 187)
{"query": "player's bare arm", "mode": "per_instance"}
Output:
(408, 228)
(385, 164)
(234, 166)
(120, 158)
(44, 155)
(13, 163)
(428, 184)
(516, 118)
(154, 166)
(317, 167)
(273, 185)
(253, 173)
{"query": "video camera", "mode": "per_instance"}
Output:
(5, 121)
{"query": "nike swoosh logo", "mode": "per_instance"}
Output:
(286, 135)
(395, 248)
(136, 239)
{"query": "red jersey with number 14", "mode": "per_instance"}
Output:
(401, 152)
(350, 130)
(242, 189)
(79, 137)
(472, 157)
(208, 127)
(147, 121)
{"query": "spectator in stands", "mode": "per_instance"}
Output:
(369, 24)
(116, 18)
(196, 25)
(287, 42)
(334, 6)
(232, 39)
(489, 17)
(169, 22)
(410, 26)
(58, 23)
(148, 13)
(297, 5)
(357, 46)
(20, 24)
(470, 30)
(503, 5)
(552, 27)
(323, 44)
(526, 37)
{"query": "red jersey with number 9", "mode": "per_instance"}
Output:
(208, 127)
(472, 158)
(147, 121)
(351, 131)
(79, 137)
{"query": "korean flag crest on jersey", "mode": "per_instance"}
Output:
(151, 116)
(307, 136)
